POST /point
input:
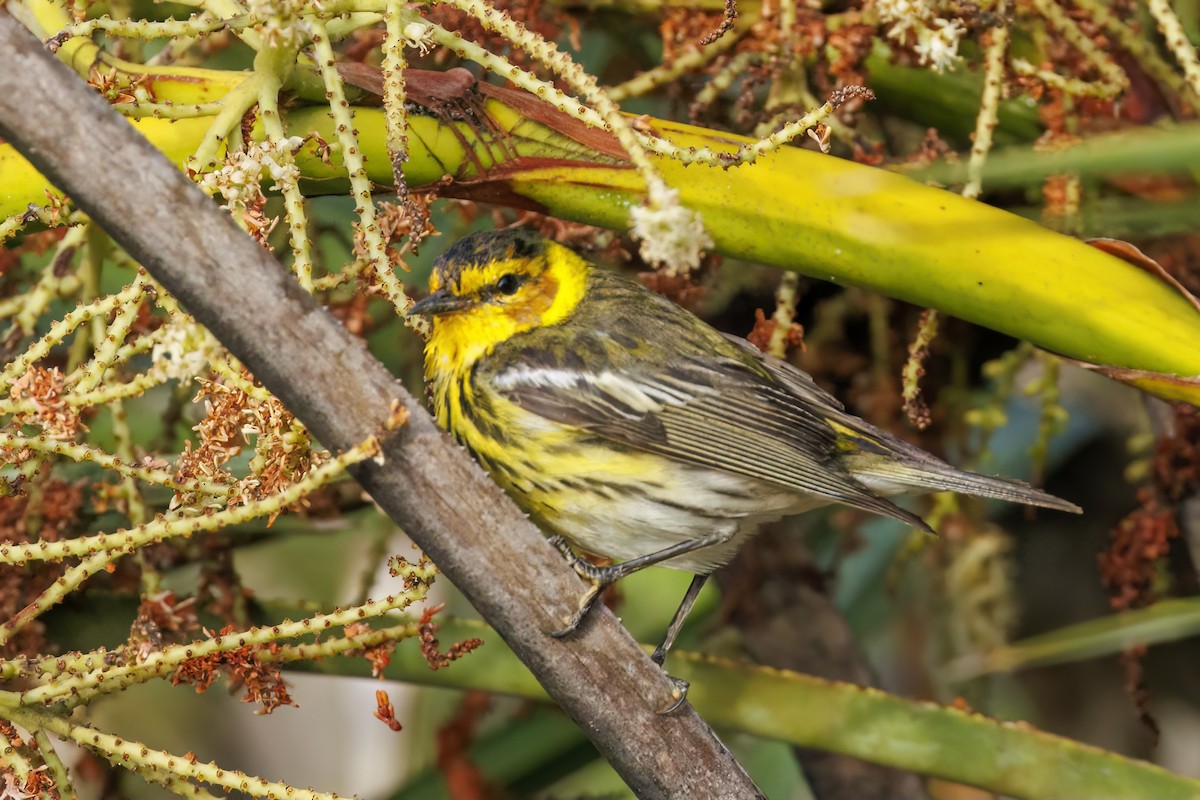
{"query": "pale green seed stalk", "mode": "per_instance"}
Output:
(1177, 41)
(360, 185)
(171, 527)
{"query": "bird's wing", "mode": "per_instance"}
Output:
(726, 412)
(873, 454)
(800, 382)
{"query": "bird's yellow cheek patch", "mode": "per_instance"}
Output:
(567, 277)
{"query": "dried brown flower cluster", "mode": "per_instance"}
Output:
(1131, 566)
(263, 683)
(48, 513)
(46, 389)
(430, 645)
(283, 449)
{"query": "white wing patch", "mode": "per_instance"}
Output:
(544, 377)
(641, 397)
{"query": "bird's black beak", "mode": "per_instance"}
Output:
(438, 303)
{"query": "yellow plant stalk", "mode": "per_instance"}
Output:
(821, 216)
(840, 221)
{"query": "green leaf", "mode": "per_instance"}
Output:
(1166, 621)
(1170, 149)
(1009, 758)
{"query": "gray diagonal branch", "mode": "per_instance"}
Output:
(335, 387)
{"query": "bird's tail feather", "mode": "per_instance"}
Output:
(905, 468)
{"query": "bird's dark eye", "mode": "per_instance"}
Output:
(508, 284)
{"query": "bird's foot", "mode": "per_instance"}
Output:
(585, 605)
(599, 578)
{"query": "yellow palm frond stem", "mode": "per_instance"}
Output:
(825, 217)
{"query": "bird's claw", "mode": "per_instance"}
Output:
(585, 605)
(679, 694)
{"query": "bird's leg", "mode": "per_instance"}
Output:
(601, 578)
(685, 607)
(660, 653)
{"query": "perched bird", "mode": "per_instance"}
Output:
(629, 428)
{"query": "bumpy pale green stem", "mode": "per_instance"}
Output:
(63, 328)
(231, 374)
(15, 761)
(694, 58)
(62, 781)
(169, 110)
(312, 651)
(143, 29)
(394, 97)
(137, 756)
(785, 134)
(53, 594)
(47, 667)
(580, 81)
(231, 9)
(84, 454)
(9, 227)
(176, 52)
(275, 63)
(38, 299)
(341, 27)
(985, 125)
(1115, 81)
(500, 65)
(989, 105)
(136, 504)
(729, 73)
(175, 785)
(89, 267)
(142, 344)
(603, 111)
(234, 106)
(110, 339)
(360, 185)
(118, 391)
(1075, 87)
(1141, 49)
(49, 284)
(166, 528)
(82, 686)
(1183, 50)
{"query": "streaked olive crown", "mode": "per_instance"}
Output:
(481, 251)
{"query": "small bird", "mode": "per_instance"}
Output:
(628, 428)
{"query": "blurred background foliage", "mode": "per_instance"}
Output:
(1084, 627)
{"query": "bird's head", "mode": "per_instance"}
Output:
(492, 285)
